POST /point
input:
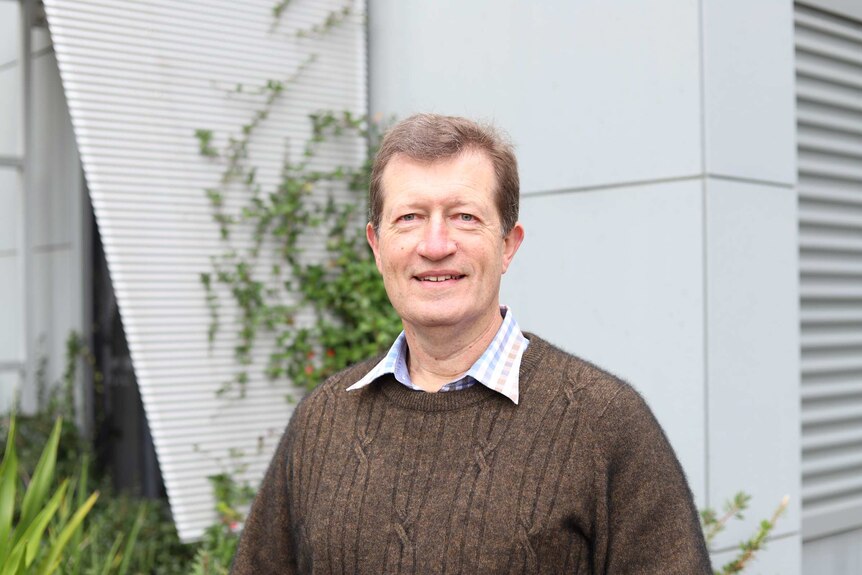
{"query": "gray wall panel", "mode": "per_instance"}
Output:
(634, 125)
(592, 92)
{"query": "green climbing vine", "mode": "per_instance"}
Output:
(714, 523)
(342, 292)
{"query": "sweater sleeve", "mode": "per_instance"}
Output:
(646, 521)
(266, 545)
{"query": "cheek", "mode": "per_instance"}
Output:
(391, 267)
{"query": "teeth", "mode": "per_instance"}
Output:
(437, 278)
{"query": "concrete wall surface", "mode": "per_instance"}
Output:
(656, 143)
(11, 350)
(57, 220)
(55, 293)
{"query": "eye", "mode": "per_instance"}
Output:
(407, 217)
(467, 217)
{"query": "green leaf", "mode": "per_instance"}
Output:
(52, 561)
(112, 554)
(8, 485)
(81, 500)
(42, 478)
(13, 562)
(32, 537)
(133, 537)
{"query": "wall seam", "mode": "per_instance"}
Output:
(752, 181)
(14, 62)
(787, 535)
(704, 247)
(825, 537)
(656, 181)
(52, 248)
(612, 185)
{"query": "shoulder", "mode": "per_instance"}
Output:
(601, 394)
(614, 420)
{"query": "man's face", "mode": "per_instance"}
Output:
(440, 246)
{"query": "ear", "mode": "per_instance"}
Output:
(373, 240)
(511, 243)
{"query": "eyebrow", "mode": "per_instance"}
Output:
(455, 203)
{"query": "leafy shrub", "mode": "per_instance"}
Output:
(117, 520)
(121, 533)
(216, 550)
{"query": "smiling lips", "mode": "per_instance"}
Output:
(439, 278)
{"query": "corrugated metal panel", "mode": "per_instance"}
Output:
(140, 78)
(829, 108)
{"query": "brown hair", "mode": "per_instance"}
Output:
(431, 138)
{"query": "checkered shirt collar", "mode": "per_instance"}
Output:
(496, 369)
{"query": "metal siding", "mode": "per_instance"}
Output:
(140, 78)
(829, 101)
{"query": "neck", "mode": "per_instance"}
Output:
(437, 356)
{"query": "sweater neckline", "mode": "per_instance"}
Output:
(407, 398)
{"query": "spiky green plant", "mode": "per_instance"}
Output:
(34, 533)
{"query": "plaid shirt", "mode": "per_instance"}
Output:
(496, 369)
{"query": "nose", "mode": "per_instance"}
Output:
(437, 242)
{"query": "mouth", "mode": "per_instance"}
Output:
(439, 278)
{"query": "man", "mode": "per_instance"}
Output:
(470, 447)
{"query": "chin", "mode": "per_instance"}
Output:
(432, 319)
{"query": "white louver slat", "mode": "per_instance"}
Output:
(140, 78)
(829, 116)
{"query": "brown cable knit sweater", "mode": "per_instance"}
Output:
(577, 478)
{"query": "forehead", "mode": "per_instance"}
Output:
(466, 176)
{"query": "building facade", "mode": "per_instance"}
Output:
(691, 193)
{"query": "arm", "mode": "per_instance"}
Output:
(646, 519)
(266, 544)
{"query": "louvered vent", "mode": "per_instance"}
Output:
(829, 110)
(140, 78)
